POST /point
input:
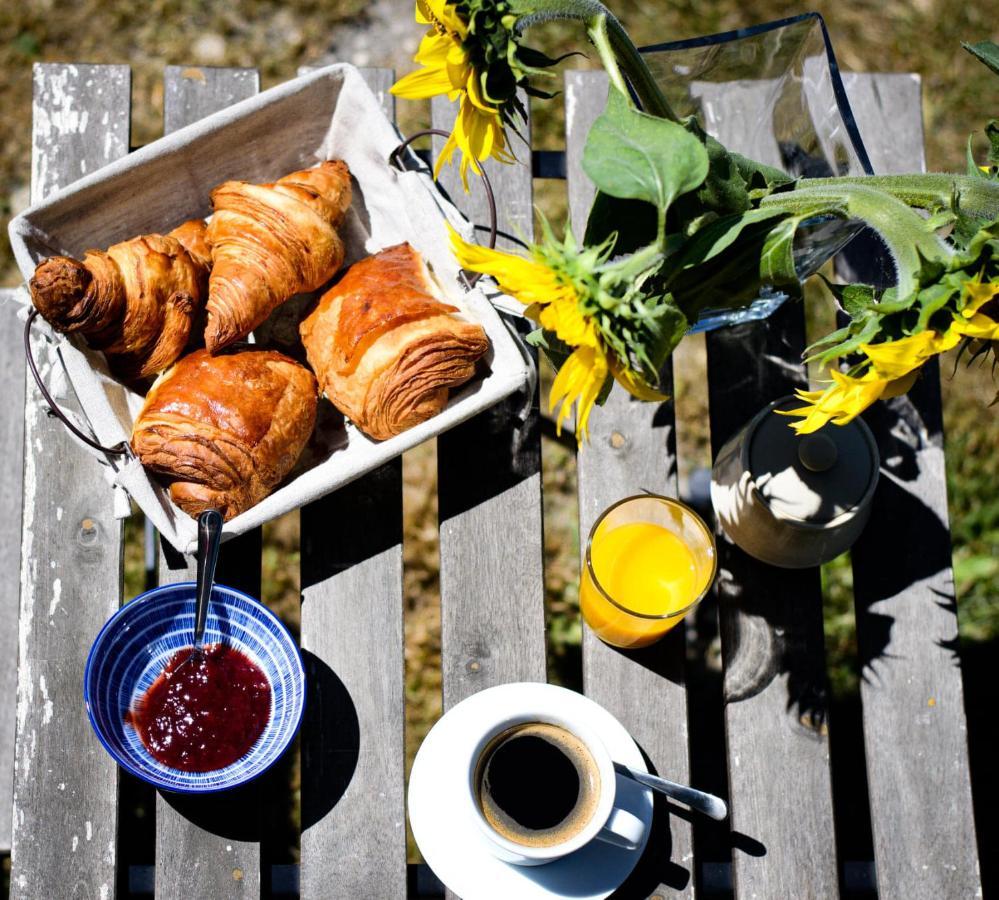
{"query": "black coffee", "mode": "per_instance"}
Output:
(537, 784)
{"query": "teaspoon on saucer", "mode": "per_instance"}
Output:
(708, 804)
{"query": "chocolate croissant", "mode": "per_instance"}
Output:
(135, 302)
(224, 430)
(384, 346)
(270, 242)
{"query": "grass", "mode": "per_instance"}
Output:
(277, 36)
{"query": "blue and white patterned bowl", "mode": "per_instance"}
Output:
(134, 646)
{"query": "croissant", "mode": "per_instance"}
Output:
(269, 242)
(225, 429)
(135, 302)
(385, 348)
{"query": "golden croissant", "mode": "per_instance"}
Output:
(385, 348)
(135, 301)
(225, 429)
(269, 242)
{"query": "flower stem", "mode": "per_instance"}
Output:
(904, 231)
(532, 12)
(978, 197)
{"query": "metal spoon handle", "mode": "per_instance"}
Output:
(708, 804)
(209, 540)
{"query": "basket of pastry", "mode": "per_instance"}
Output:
(271, 310)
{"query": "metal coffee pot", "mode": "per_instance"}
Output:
(793, 501)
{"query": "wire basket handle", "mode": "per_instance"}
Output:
(395, 159)
(121, 449)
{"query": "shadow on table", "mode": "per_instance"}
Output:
(328, 764)
(656, 867)
(234, 815)
(329, 757)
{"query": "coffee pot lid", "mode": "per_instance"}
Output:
(814, 478)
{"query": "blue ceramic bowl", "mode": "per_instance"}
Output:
(134, 646)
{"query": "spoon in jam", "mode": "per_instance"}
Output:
(209, 540)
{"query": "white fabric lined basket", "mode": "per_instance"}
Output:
(328, 114)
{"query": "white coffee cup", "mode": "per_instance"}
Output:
(608, 822)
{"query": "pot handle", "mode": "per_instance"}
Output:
(395, 159)
(121, 449)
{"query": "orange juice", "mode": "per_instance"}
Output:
(643, 572)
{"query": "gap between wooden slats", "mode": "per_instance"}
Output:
(771, 625)
(632, 449)
(915, 731)
(489, 471)
(209, 847)
(353, 792)
(65, 784)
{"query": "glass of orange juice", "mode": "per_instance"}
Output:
(649, 561)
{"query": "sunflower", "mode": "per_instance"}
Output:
(563, 287)
(471, 53)
(892, 370)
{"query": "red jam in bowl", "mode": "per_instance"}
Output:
(205, 715)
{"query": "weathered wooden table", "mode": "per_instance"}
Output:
(781, 841)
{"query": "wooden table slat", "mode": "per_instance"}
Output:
(353, 788)
(209, 846)
(12, 371)
(632, 449)
(771, 625)
(489, 473)
(915, 731)
(65, 784)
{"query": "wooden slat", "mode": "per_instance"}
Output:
(65, 784)
(191, 93)
(771, 627)
(915, 731)
(353, 790)
(11, 488)
(632, 449)
(489, 471)
(209, 846)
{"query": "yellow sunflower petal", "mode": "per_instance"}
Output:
(527, 280)
(980, 326)
(474, 88)
(976, 295)
(893, 359)
(434, 50)
(563, 316)
(900, 385)
(635, 385)
(840, 403)
(578, 381)
(422, 83)
(440, 12)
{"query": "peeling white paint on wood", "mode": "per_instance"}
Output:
(56, 595)
(53, 735)
(47, 703)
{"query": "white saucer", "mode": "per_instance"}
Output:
(450, 839)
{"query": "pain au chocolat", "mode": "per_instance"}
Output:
(385, 347)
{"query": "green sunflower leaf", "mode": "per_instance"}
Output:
(986, 52)
(634, 156)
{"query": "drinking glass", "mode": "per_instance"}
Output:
(649, 561)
